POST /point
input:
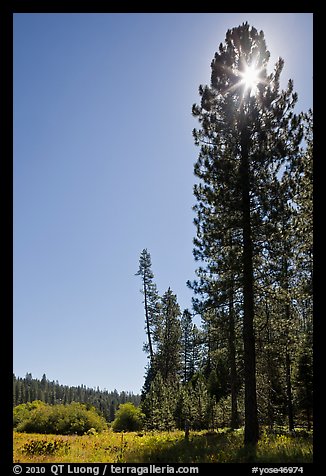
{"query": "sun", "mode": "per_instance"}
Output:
(250, 78)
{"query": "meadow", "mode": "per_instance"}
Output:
(223, 446)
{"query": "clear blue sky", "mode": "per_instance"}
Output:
(103, 167)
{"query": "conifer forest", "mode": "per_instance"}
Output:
(250, 362)
(240, 360)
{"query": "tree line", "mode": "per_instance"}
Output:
(29, 389)
(250, 361)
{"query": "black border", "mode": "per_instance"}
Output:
(6, 190)
(6, 176)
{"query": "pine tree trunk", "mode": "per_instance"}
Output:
(287, 353)
(251, 435)
(185, 375)
(233, 368)
(289, 389)
(308, 420)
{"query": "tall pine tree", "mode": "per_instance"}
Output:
(248, 131)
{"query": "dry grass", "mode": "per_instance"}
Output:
(159, 447)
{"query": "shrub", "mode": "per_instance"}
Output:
(57, 419)
(22, 412)
(128, 418)
(43, 447)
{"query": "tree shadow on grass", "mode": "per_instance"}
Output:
(217, 447)
(210, 447)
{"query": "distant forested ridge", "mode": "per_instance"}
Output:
(29, 389)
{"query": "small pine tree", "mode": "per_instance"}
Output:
(160, 403)
(167, 338)
(304, 383)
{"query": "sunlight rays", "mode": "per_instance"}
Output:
(250, 78)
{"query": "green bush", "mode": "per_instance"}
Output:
(22, 412)
(38, 417)
(128, 418)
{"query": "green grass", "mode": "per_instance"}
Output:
(224, 446)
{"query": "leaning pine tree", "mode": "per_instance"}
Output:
(151, 305)
(248, 132)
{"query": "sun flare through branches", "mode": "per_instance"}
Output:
(250, 78)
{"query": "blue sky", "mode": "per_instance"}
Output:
(103, 167)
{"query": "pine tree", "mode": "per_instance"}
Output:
(304, 380)
(271, 380)
(167, 338)
(14, 391)
(196, 357)
(282, 244)
(201, 404)
(187, 345)
(160, 403)
(44, 382)
(301, 174)
(20, 396)
(150, 293)
(248, 130)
